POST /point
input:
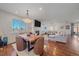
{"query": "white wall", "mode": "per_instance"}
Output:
(56, 26)
(5, 25)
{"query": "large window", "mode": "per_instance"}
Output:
(18, 24)
(76, 28)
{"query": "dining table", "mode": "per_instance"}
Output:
(30, 40)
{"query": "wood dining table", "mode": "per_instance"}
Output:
(29, 40)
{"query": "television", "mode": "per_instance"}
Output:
(37, 23)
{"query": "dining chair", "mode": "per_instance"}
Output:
(39, 46)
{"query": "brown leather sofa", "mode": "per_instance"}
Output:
(39, 46)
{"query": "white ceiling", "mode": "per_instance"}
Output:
(51, 12)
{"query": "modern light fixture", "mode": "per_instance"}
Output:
(28, 19)
(40, 8)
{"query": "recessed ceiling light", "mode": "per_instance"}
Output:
(28, 9)
(40, 8)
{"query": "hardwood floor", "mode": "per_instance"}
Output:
(7, 51)
(71, 48)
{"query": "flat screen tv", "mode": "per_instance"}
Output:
(37, 23)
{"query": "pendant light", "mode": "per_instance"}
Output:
(28, 19)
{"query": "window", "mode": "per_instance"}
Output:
(76, 28)
(18, 24)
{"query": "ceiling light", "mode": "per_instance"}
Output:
(28, 19)
(40, 8)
